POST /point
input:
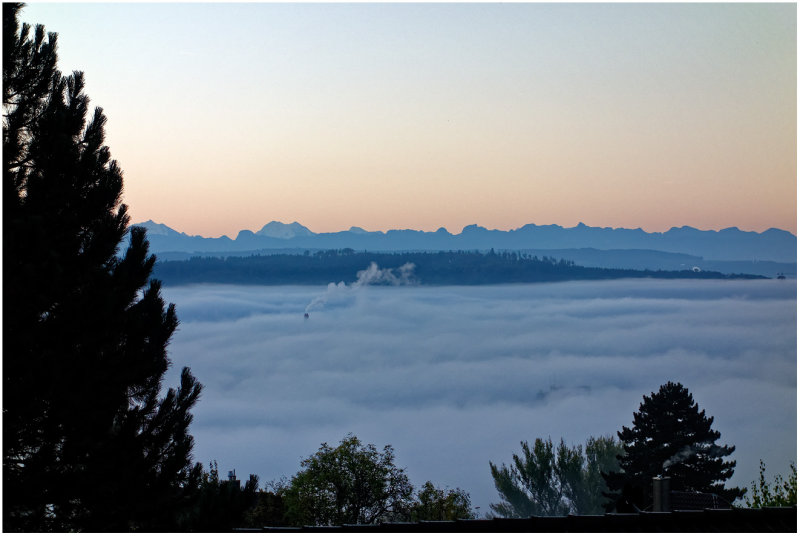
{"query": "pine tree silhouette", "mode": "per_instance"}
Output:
(670, 437)
(88, 443)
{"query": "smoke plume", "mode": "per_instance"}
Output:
(372, 275)
(680, 456)
(690, 450)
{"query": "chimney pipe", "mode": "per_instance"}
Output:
(661, 494)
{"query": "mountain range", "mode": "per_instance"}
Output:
(731, 244)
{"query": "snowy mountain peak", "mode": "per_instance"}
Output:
(276, 229)
(154, 228)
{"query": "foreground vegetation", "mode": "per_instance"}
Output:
(91, 442)
(351, 483)
(780, 493)
(355, 483)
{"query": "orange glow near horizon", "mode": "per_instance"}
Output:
(420, 116)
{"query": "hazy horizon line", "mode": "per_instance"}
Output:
(461, 230)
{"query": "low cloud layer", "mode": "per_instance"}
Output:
(454, 377)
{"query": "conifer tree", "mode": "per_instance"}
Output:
(89, 443)
(670, 437)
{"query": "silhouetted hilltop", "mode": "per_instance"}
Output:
(441, 268)
(727, 244)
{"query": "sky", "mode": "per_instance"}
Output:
(456, 377)
(227, 116)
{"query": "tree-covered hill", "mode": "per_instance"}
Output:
(442, 268)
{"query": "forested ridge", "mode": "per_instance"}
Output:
(439, 268)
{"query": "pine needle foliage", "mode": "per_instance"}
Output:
(550, 480)
(89, 442)
(670, 437)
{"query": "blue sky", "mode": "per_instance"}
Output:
(227, 116)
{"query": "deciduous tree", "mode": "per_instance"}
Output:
(781, 493)
(349, 484)
(435, 504)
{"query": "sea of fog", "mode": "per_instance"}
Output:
(453, 377)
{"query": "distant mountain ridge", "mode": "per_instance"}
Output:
(727, 244)
(276, 229)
